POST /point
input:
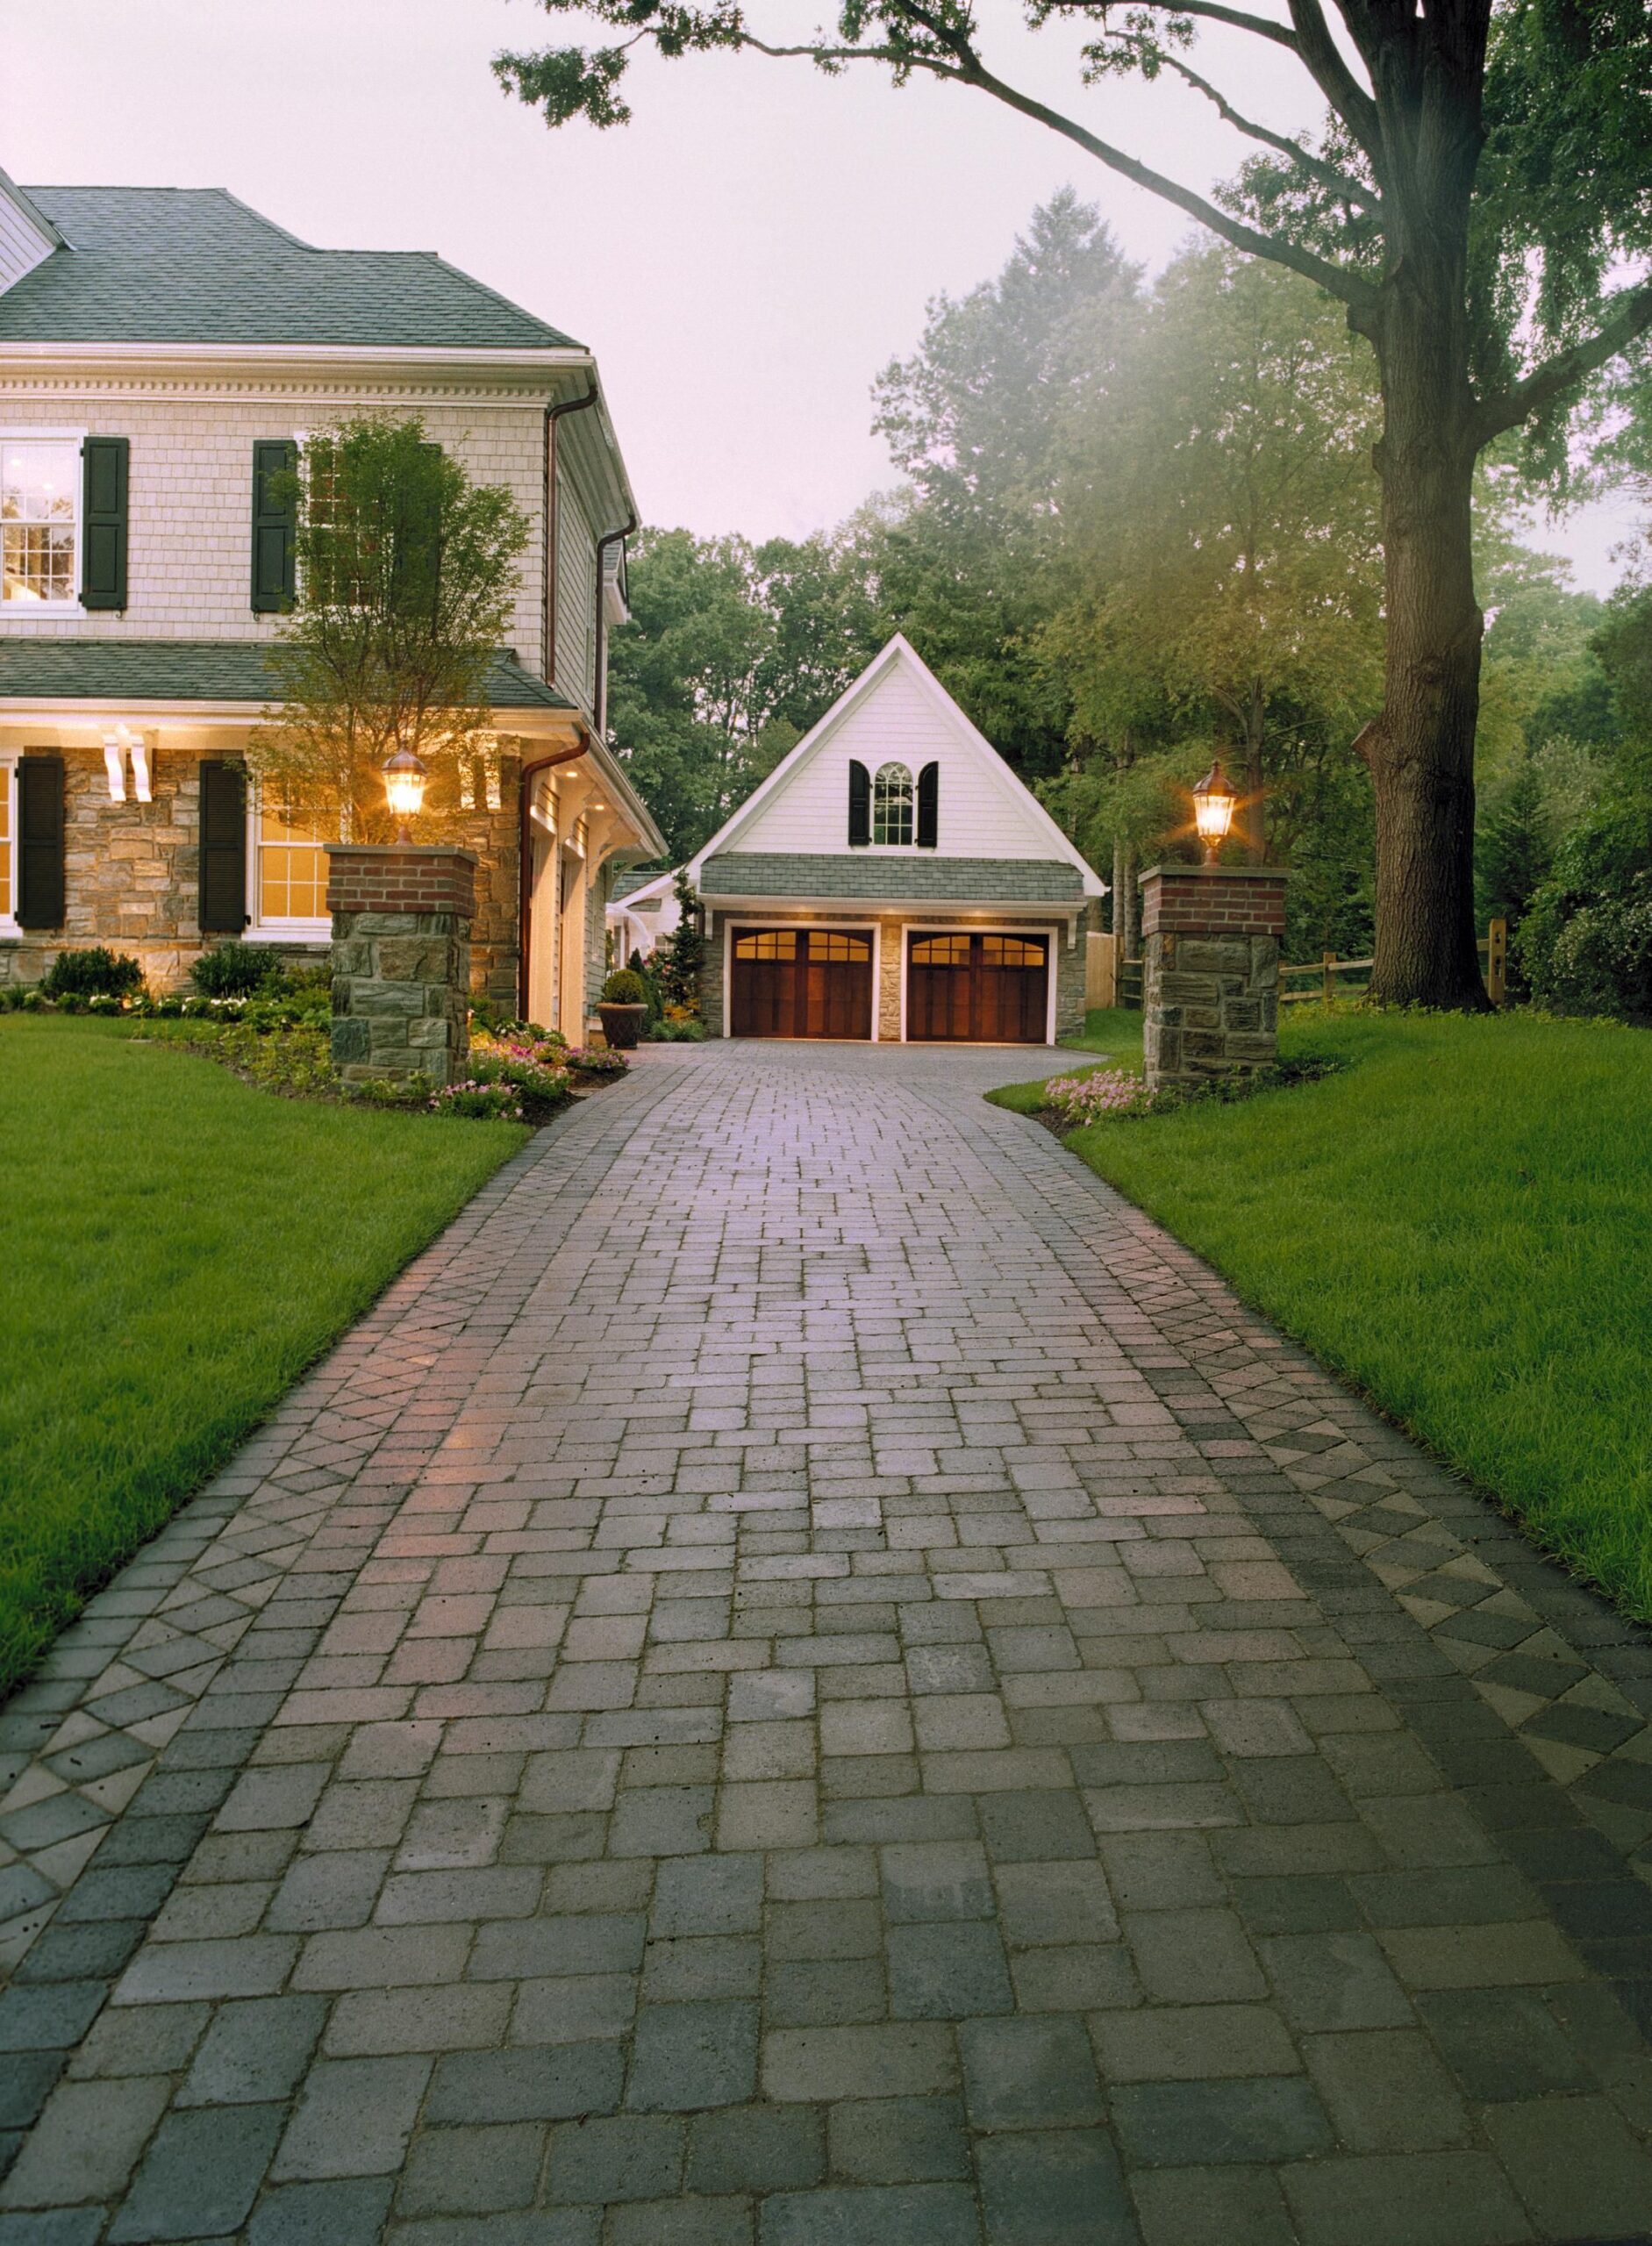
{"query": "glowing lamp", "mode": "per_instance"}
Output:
(1215, 802)
(405, 785)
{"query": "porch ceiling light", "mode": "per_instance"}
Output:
(1214, 800)
(404, 778)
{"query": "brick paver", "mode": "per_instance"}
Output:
(808, 1679)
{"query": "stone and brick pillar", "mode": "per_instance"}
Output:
(401, 959)
(1210, 942)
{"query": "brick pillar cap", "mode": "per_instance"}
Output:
(1174, 870)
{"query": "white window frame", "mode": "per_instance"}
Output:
(9, 925)
(22, 610)
(894, 764)
(258, 930)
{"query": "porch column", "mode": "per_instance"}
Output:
(401, 959)
(1211, 939)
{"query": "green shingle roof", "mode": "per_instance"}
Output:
(870, 875)
(192, 265)
(37, 669)
(632, 878)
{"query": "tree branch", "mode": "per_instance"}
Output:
(1337, 81)
(1630, 315)
(1351, 191)
(1236, 19)
(1348, 287)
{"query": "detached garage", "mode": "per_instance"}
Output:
(892, 880)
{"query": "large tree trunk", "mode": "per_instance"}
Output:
(1421, 748)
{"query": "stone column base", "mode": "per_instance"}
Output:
(401, 960)
(1210, 971)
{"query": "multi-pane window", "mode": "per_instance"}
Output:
(292, 864)
(40, 487)
(892, 803)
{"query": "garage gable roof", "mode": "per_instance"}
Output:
(909, 692)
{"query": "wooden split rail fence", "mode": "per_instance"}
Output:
(1112, 979)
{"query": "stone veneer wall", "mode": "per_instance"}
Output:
(1211, 939)
(401, 960)
(131, 875)
(1069, 969)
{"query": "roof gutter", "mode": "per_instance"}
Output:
(626, 531)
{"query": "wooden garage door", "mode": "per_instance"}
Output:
(980, 990)
(802, 983)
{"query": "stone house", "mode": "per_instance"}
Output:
(893, 880)
(163, 352)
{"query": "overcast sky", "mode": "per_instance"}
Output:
(743, 257)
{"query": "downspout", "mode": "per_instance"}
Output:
(525, 863)
(603, 544)
(552, 415)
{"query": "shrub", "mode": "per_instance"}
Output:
(540, 1090)
(297, 1062)
(625, 987)
(597, 1064)
(392, 1091)
(236, 970)
(672, 1031)
(1586, 941)
(481, 1103)
(98, 973)
(1099, 1091)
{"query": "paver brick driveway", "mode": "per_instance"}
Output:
(807, 1676)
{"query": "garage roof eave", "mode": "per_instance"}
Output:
(860, 909)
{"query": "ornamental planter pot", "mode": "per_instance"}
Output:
(622, 1025)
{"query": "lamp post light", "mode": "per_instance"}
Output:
(404, 784)
(1214, 801)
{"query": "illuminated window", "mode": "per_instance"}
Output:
(8, 829)
(1010, 951)
(292, 864)
(892, 803)
(826, 944)
(772, 943)
(941, 951)
(39, 508)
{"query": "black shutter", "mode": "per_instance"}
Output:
(275, 526)
(222, 910)
(103, 522)
(928, 806)
(860, 804)
(40, 842)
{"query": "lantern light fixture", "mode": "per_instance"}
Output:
(1214, 803)
(405, 777)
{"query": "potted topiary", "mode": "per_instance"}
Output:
(624, 1008)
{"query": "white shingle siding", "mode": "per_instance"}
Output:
(575, 672)
(982, 813)
(22, 244)
(188, 564)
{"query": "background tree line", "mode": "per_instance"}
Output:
(1137, 527)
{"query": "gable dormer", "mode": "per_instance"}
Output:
(27, 236)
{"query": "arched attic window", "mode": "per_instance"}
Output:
(892, 803)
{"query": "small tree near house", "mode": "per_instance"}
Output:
(680, 956)
(405, 582)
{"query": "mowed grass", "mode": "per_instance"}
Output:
(1461, 1224)
(174, 1248)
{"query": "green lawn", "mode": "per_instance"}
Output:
(174, 1248)
(1462, 1225)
